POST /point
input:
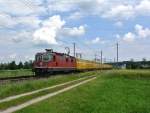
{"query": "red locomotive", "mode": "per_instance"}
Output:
(49, 61)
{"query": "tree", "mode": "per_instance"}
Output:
(12, 65)
(1, 66)
(28, 65)
(20, 65)
(132, 60)
(144, 59)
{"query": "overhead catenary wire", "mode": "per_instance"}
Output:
(81, 49)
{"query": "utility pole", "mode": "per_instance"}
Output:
(101, 56)
(74, 49)
(117, 52)
(117, 55)
(95, 57)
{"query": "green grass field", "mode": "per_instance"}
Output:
(23, 99)
(123, 91)
(12, 73)
(10, 89)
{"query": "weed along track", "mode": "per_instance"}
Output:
(12, 104)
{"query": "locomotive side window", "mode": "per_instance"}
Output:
(71, 59)
(54, 58)
(67, 59)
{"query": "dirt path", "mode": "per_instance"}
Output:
(36, 91)
(16, 108)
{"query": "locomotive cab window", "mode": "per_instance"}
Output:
(47, 57)
(38, 57)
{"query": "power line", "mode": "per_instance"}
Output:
(83, 52)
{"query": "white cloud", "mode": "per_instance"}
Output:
(117, 36)
(27, 57)
(53, 28)
(138, 33)
(13, 56)
(61, 6)
(74, 32)
(129, 37)
(76, 16)
(27, 12)
(30, 21)
(120, 12)
(21, 36)
(143, 8)
(142, 32)
(115, 10)
(124, 10)
(96, 40)
(119, 24)
(48, 32)
(21, 7)
(20, 12)
(84, 7)
(6, 21)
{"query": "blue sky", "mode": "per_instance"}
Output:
(30, 26)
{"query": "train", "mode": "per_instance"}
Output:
(52, 62)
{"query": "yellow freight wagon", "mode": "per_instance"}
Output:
(90, 65)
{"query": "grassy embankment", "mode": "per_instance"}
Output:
(13, 73)
(123, 91)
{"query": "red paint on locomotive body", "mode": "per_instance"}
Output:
(53, 61)
(62, 61)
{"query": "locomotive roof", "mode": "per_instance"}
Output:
(57, 53)
(62, 54)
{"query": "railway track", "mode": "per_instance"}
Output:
(5, 80)
(18, 78)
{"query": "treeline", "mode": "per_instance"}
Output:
(133, 64)
(12, 65)
(138, 65)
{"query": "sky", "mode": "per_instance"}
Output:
(31, 26)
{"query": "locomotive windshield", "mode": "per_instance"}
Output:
(44, 57)
(38, 57)
(47, 57)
